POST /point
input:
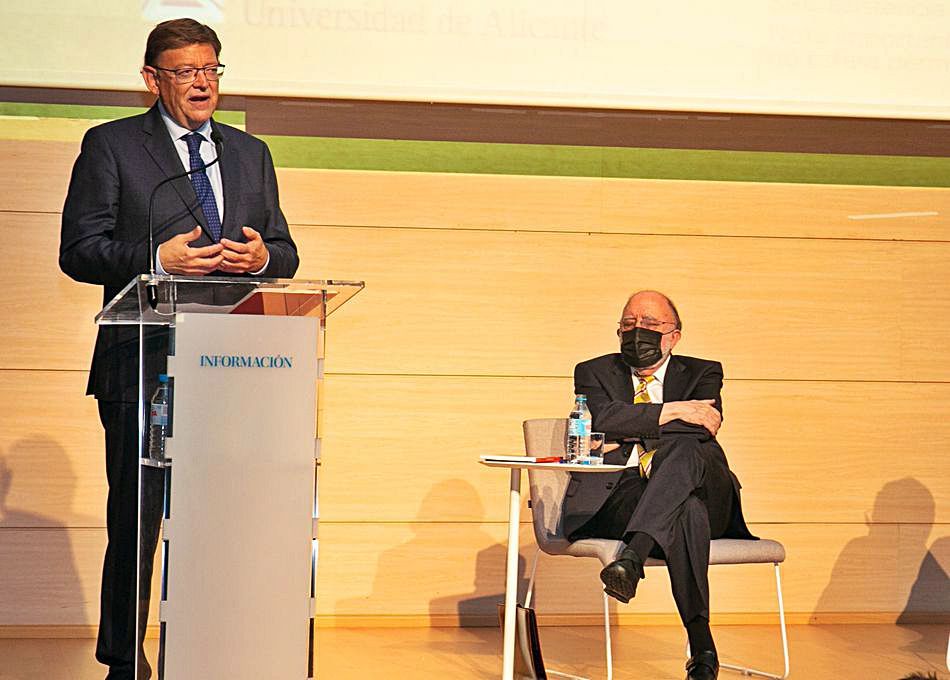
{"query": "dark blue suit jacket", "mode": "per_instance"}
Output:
(104, 238)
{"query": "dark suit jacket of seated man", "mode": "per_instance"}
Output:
(690, 496)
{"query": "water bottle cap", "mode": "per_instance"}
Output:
(162, 378)
(582, 397)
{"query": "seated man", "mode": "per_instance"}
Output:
(662, 412)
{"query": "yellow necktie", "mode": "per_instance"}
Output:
(642, 396)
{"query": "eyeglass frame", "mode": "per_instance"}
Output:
(653, 324)
(207, 70)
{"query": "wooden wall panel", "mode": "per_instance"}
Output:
(783, 460)
(390, 568)
(445, 422)
(829, 452)
(51, 576)
(529, 203)
(771, 210)
(35, 174)
(47, 319)
(473, 303)
(924, 308)
(52, 469)
(465, 287)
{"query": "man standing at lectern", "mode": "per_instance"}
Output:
(223, 219)
(677, 492)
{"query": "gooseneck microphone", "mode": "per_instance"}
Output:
(151, 290)
(218, 143)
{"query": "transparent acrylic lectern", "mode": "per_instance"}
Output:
(227, 538)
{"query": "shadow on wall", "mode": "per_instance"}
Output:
(439, 562)
(31, 593)
(479, 607)
(930, 593)
(929, 599)
(876, 570)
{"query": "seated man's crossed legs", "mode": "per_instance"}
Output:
(673, 515)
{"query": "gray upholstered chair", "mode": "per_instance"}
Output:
(547, 437)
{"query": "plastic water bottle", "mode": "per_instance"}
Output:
(578, 431)
(158, 423)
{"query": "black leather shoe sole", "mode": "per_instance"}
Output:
(620, 580)
(617, 596)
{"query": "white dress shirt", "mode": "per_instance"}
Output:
(207, 150)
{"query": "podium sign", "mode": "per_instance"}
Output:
(232, 505)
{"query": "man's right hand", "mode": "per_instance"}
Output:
(697, 412)
(178, 257)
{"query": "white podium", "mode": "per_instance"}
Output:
(233, 505)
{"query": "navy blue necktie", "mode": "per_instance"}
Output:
(202, 185)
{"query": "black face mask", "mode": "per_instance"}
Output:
(640, 347)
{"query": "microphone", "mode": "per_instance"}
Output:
(151, 290)
(218, 140)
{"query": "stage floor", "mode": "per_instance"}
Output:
(865, 652)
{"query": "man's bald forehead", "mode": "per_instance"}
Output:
(654, 296)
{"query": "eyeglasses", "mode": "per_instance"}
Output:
(189, 75)
(629, 323)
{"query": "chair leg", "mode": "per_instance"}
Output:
(781, 615)
(527, 603)
(607, 646)
(608, 652)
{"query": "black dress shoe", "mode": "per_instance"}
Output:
(703, 666)
(621, 576)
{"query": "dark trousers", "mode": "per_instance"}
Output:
(686, 502)
(117, 643)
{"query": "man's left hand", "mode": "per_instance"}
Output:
(243, 258)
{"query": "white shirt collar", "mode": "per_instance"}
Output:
(659, 374)
(177, 131)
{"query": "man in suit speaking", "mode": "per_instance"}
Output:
(677, 493)
(223, 219)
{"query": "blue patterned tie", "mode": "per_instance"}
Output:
(202, 185)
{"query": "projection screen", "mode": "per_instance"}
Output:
(888, 58)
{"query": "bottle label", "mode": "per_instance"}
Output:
(578, 427)
(159, 415)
